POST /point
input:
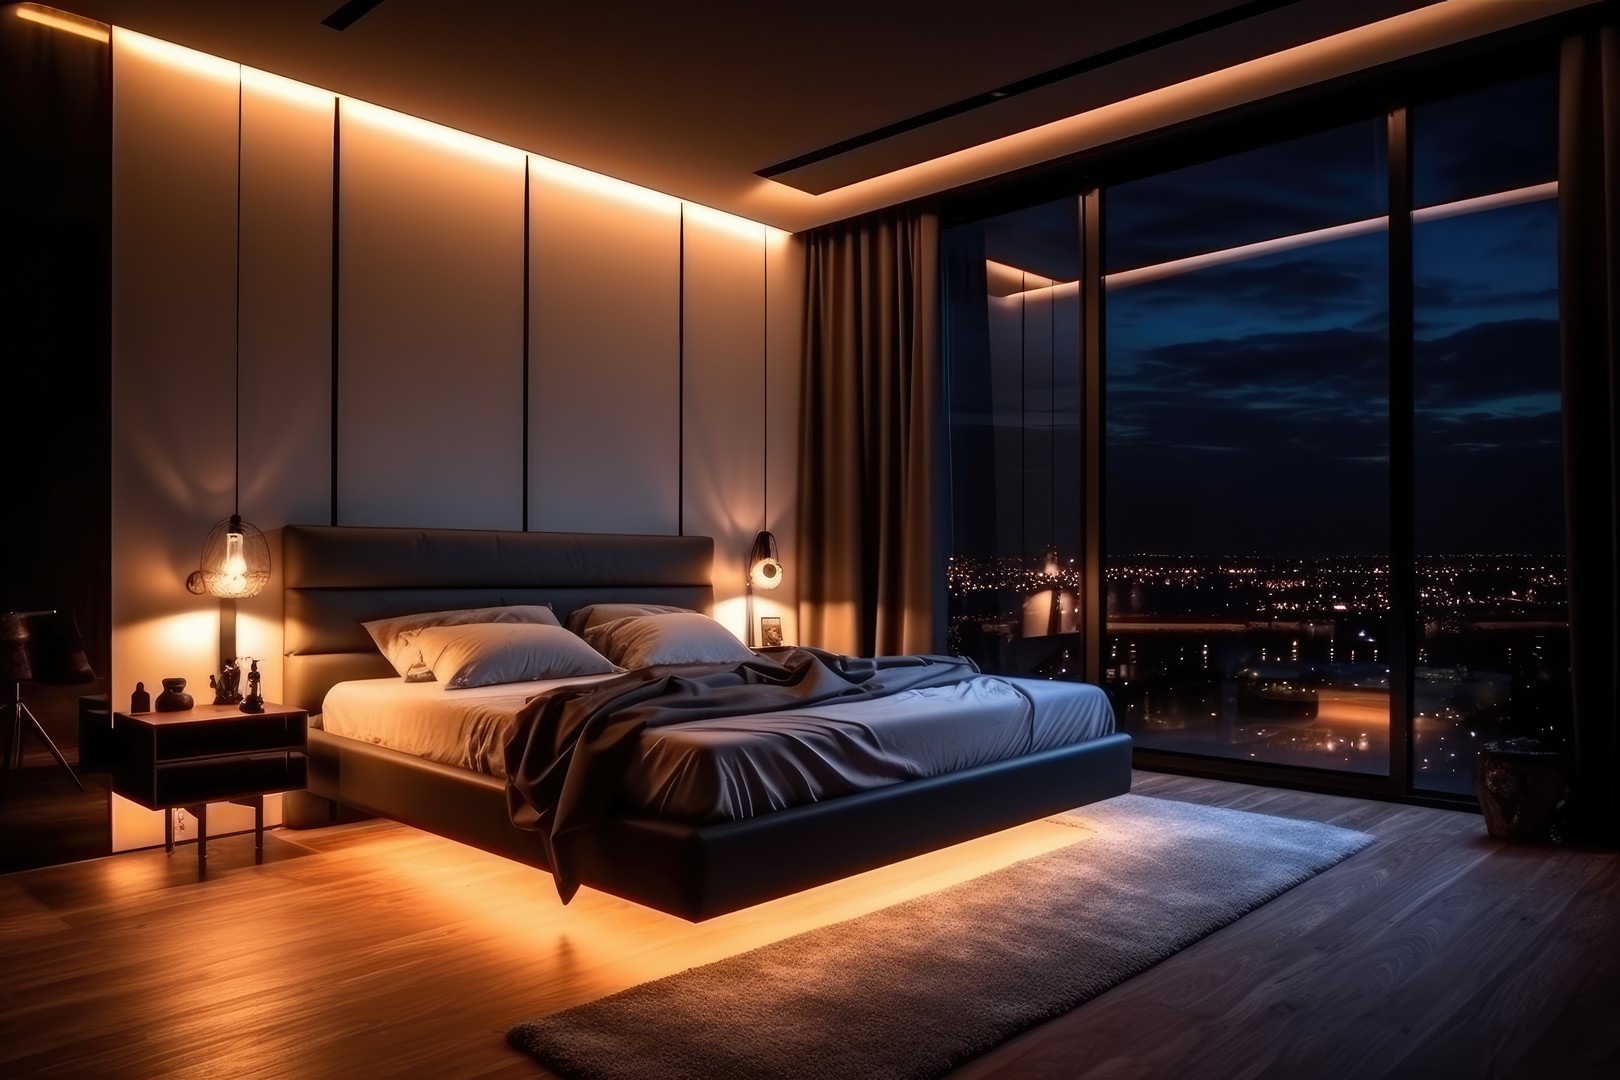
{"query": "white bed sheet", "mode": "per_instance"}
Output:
(465, 728)
(706, 771)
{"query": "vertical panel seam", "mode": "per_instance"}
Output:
(680, 377)
(765, 382)
(526, 404)
(337, 160)
(1402, 451)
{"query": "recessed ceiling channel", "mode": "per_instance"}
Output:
(1184, 49)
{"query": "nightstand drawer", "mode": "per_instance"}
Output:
(200, 780)
(244, 734)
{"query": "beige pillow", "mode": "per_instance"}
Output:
(681, 638)
(396, 636)
(483, 654)
(592, 615)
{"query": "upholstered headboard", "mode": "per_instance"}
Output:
(336, 577)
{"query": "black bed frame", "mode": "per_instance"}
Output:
(337, 577)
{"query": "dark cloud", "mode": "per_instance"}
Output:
(1487, 362)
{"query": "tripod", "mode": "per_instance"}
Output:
(36, 646)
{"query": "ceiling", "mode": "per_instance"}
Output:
(693, 100)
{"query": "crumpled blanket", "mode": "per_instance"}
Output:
(573, 746)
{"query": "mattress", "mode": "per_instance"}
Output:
(728, 769)
(465, 728)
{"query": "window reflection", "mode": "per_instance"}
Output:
(1013, 361)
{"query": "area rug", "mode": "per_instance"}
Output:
(919, 988)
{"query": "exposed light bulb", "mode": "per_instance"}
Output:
(235, 567)
(765, 574)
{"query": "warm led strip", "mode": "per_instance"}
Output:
(1142, 275)
(62, 20)
(997, 273)
(438, 135)
(1426, 28)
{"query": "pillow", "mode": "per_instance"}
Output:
(582, 619)
(396, 636)
(483, 654)
(680, 638)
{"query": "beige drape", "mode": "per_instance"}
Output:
(868, 543)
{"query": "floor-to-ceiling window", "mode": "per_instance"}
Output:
(1492, 651)
(1014, 368)
(1332, 505)
(1247, 502)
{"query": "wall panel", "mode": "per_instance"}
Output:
(430, 326)
(173, 304)
(604, 357)
(724, 396)
(173, 349)
(784, 364)
(285, 397)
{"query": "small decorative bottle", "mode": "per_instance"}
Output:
(140, 700)
(254, 702)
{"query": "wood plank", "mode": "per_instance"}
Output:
(375, 949)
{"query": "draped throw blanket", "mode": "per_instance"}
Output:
(1589, 284)
(870, 543)
(573, 746)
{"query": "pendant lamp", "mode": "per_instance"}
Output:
(235, 561)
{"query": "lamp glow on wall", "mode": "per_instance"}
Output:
(764, 572)
(235, 561)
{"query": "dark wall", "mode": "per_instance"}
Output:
(55, 336)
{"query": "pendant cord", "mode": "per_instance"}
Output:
(765, 381)
(236, 383)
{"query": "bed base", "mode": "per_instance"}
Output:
(699, 871)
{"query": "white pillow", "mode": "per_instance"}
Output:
(396, 636)
(681, 638)
(482, 654)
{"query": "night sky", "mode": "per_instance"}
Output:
(1247, 403)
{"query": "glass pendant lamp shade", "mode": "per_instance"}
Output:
(235, 559)
(764, 567)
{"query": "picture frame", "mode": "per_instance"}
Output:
(770, 632)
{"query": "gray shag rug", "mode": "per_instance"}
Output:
(919, 988)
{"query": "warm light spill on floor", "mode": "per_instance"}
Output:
(599, 944)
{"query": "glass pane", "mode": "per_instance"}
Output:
(1012, 353)
(1329, 178)
(1500, 138)
(1247, 476)
(1493, 657)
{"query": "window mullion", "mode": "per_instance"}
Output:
(1402, 509)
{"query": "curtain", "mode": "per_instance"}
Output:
(1589, 275)
(869, 543)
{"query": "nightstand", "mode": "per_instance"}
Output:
(208, 753)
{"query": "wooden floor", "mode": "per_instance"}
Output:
(375, 950)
